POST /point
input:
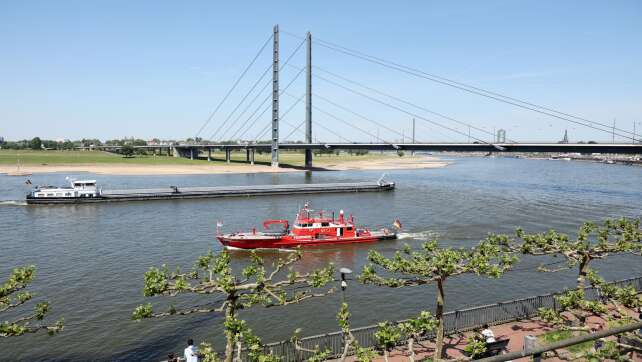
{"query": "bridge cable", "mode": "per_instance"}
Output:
(248, 107)
(318, 125)
(362, 116)
(267, 98)
(474, 90)
(407, 102)
(322, 126)
(609, 127)
(344, 121)
(240, 103)
(234, 86)
(398, 108)
(298, 47)
(281, 117)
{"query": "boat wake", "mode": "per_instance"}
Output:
(13, 203)
(420, 235)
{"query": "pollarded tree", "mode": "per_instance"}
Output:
(350, 343)
(432, 264)
(573, 304)
(387, 336)
(592, 242)
(213, 275)
(414, 329)
(13, 295)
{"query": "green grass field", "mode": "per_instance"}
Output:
(30, 157)
(556, 336)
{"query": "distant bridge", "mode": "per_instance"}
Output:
(237, 124)
(193, 151)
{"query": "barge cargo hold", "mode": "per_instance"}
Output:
(51, 195)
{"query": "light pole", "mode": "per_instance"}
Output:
(344, 283)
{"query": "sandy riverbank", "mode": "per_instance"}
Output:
(385, 163)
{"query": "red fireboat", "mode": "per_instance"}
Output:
(311, 228)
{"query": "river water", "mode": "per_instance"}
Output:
(91, 258)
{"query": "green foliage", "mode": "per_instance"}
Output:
(19, 279)
(419, 326)
(127, 150)
(609, 351)
(242, 334)
(35, 143)
(593, 241)
(12, 296)
(207, 353)
(489, 258)
(156, 281)
(627, 296)
(387, 335)
(365, 354)
(475, 345)
(252, 285)
(560, 335)
(432, 264)
(142, 311)
(320, 355)
(343, 318)
(550, 315)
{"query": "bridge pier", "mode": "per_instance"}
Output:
(191, 153)
(209, 154)
(252, 152)
(247, 155)
(228, 155)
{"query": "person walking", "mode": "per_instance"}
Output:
(191, 353)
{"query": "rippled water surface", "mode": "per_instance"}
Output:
(91, 258)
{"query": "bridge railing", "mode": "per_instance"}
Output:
(455, 321)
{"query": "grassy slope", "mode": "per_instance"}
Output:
(29, 157)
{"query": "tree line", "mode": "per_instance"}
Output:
(37, 143)
(229, 290)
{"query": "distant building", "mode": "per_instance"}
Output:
(501, 136)
(1, 139)
(565, 139)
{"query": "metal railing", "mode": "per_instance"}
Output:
(455, 321)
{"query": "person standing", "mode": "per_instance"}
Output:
(191, 353)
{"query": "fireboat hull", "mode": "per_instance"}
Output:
(261, 241)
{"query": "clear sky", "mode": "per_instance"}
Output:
(106, 69)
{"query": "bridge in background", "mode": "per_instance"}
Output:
(477, 141)
(193, 151)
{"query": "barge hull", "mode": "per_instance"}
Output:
(217, 192)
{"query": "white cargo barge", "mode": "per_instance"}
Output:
(86, 191)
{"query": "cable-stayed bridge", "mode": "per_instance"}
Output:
(257, 117)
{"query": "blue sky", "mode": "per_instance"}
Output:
(106, 69)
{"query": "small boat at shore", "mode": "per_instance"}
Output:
(311, 228)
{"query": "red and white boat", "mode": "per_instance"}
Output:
(311, 228)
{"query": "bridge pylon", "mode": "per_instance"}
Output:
(308, 101)
(275, 98)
